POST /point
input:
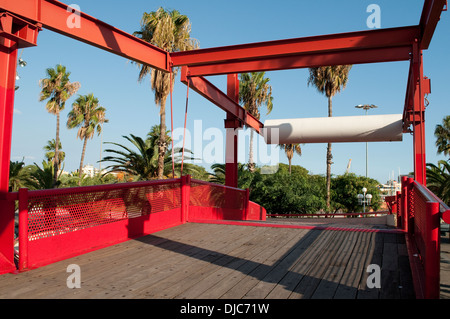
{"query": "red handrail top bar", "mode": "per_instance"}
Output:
(430, 196)
(214, 184)
(95, 188)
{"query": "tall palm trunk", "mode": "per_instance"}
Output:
(56, 158)
(329, 159)
(162, 147)
(83, 152)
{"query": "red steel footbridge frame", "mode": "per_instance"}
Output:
(21, 22)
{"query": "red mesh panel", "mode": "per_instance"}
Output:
(52, 213)
(217, 196)
(420, 219)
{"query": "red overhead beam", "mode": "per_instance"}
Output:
(222, 100)
(325, 44)
(304, 61)
(431, 14)
(54, 15)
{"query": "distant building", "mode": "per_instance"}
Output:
(91, 171)
(390, 188)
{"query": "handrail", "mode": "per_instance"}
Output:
(430, 196)
(95, 188)
(214, 184)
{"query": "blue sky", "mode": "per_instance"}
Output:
(130, 104)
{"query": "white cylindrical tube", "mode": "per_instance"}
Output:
(365, 128)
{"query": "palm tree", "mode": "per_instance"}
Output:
(43, 178)
(18, 175)
(88, 116)
(442, 134)
(57, 89)
(170, 31)
(141, 161)
(218, 175)
(254, 91)
(329, 80)
(50, 152)
(290, 150)
(438, 180)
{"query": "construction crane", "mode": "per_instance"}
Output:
(348, 166)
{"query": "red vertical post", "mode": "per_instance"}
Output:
(246, 203)
(409, 206)
(404, 204)
(232, 125)
(8, 63)
(185, 197)
(419, 116)
(432, 251)
(23, 229)
(398, 205)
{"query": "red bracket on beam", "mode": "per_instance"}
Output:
(18, 30)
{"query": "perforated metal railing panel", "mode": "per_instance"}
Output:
(55, 214)
(418, 210)
(216, 196)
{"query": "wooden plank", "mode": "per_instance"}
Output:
(307, 260)
(308, 284)
(334, 271)
(104, 271)
(178, 282)
(349, 283)
(178, 259)
(390, 278)
(229, 261)
(251, 275)
(406, 281)
(244, 269)
(268, 282)
(280, 285)
(53, 277)
(243, 255)
(374, 256)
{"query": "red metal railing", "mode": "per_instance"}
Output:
(419, 213)
(60, 223)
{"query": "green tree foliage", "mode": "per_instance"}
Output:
(442, 134)
(345, 189)
(170, 31)
(42, 177)
(18, 175)
(88, 116)
(56, 88)
(438, 180)
(297, 192)
(50, 152)
(142, 159)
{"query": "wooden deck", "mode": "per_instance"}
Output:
(212, 261)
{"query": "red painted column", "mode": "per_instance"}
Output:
(404, 204)
(419, 117)
(232, 126)
(8, 63)
(23, 229)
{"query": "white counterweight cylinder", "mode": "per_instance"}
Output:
(365, 128)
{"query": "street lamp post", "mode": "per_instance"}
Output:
(366, 107)
(364, 199)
